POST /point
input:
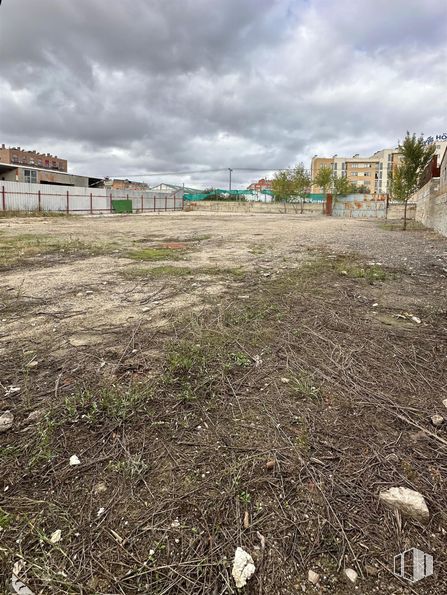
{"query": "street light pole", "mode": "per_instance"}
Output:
(229, 184)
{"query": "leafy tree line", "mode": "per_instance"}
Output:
(406, 178)
(292, 185)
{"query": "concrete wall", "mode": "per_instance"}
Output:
(431, 211)
(251, 207)
(360, 205)
(17, 196)
(396, 211)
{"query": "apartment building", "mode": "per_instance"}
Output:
(373, 172)
(19, 156)
(260, 185)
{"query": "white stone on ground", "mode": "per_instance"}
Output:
(408, 502)
(351, 574)
(6, 421)
(243, 567)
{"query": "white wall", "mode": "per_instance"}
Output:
(20, 196)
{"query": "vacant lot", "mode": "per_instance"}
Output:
(222, 381)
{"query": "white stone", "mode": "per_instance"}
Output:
(243, 567)
(437, 420)
(74, 461)
(313, 577)
(56, 536)
(444, 402)
(285, 380)
(6, 421)
(408, 502)
(351, 574)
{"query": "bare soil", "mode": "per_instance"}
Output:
(225, 380)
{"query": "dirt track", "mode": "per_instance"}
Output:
(176, 355)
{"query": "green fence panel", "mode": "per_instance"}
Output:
(122, 206)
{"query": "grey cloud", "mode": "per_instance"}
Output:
(122, 87)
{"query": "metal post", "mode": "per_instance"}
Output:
(91, 203)
(3, 198)
(68, 203)
(229, 181)
(39, 203)
(142, 203)
(110, 200)
(166, 202)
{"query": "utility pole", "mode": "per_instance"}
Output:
(229, 184)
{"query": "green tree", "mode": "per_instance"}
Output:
(342, 186)
(328, 181)
(324, 178)
(415, 155)
(291, 185)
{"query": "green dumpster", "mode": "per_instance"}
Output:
(122, 206)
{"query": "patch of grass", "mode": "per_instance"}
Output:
(412, 225)
(179, 271)
(5, 519)
(43, 448)
(304, 386)
(157, 272)
(155, 253)
(132, 467)
(116, 403)
(15, 248)
(370, 273)
(302, 440)
(240, 359)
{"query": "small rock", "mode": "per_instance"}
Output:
(344, 272)
(437, 420)
(99, 488)
(175, 524)
(146, 309)
(32, 364)
(270, 464)
(408, 502)
(351, 574)
(100, 512)
(313, 577)
(375, 305)
(6, 421)
(79, 294)
(444, 402)
(56, 536)
(243, 567)
(89, 292)
(74, 461)
(285, 380)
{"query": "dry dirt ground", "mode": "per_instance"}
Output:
(224, 380)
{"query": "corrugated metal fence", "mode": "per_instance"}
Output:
(17, 196)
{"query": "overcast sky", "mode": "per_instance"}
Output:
(126, 87)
